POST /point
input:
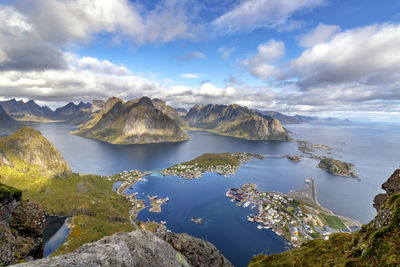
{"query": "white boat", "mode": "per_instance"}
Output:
(259, 227)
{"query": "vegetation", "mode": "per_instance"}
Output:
(333, 221)
(214, 159)
(96, 210)
(376, 244)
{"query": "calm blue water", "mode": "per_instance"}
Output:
(374, 149)
(57, 239)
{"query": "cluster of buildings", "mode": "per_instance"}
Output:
(195, 171)
(285, 216)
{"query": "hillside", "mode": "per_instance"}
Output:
(27, 152)
(27, 111)
(6, 122)
(376, 244)
(70, 109)
(236, 121)
(134, 122)
(29, 162)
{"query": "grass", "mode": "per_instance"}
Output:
(213, 159)
(333, 222)
(96, 210)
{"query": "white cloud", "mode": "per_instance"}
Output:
(252, 14)
(260, 64)
(34, 33)
(104, 66)
(79, 20)
(320, 34)
(191, 75)
(368, 55)
(226, 51)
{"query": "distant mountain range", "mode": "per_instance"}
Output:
(27, 111)
(236, 121)
(296, 119)
(133, 122)
(148, 120)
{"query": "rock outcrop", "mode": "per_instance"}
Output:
(197, 252)
(137, 121)
(21, 227)
(337, 167)
(376, 244)
(140, 248)
(236, 121)
(27, 148)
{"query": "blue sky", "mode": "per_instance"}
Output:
(313, 57)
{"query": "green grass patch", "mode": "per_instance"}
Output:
(213, 159)
(333, 222)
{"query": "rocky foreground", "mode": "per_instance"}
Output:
(21, 227)
(140, 248)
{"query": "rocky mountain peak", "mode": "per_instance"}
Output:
(144, 102)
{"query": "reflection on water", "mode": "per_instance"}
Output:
(60, 234)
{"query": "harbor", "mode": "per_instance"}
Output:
(296, 219)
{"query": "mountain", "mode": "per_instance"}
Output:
(27, 111)
(376, 244)
(70, 109)
(236, 121)
(27, 152)
(296, 119)
(140, 248)
(167, 110)
(137, 121)
(85, 112)
(181, 112)
(6, 122)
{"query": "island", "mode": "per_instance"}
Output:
(137, 121)
(333, 166)
(236, 121)
(338, 167)
(221, 163)
(296, 217)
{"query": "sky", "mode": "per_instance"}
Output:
(338, 58)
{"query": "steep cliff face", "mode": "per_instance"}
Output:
(237, 121)
(70, 109)
(140, 248)
(6, 122)
(21, 227)
(27, 149)
(133, 122)
(168, 110)
(376, 244)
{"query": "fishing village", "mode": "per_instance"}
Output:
(297, 219)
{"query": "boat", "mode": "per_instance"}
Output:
(259, 227)
(232, 199)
